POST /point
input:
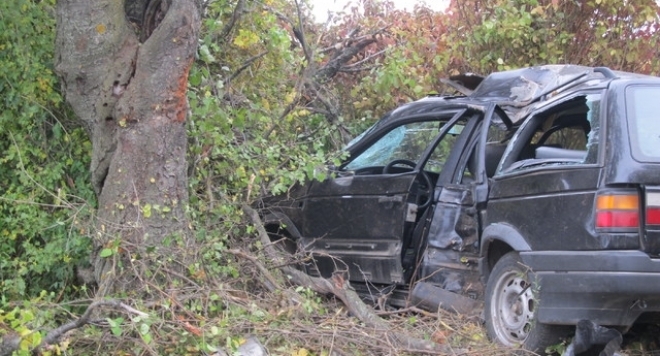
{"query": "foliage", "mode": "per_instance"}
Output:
(415, 60)
(506, 34)
(251, 134)
(482, 36)
(43, 160)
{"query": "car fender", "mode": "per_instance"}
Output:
(499, 232)
(505, 233)
(280, 218)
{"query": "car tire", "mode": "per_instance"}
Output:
(511, 306)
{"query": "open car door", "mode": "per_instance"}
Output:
(449, 252)
(362, 220)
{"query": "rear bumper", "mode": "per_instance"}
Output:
(608, 287)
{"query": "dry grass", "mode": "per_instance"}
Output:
(288, 320)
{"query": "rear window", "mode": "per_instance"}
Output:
(643, 108)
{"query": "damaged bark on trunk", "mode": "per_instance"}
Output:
(124, 69)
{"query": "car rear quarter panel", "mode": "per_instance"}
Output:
(551, 207)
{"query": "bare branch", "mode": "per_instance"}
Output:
(355, 70)
(234, 18)
(300, 34)
(56, 334)
(366, 59)
(270, 281)
(345, 52)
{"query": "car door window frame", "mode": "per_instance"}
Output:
(512, 163)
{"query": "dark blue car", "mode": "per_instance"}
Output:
(531, 200)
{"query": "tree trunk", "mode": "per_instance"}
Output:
(131, 97)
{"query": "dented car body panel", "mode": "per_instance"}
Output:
(556, 164)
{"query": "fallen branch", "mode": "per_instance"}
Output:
(270, 283)
(340, 288)
(11, 342)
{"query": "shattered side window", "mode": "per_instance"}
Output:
(643, 109)
(404, 142)
(564, 135)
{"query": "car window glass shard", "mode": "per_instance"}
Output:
(593, 115)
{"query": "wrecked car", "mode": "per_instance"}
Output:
(535, 194)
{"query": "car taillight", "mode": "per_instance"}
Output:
(617, 210)
(653, 208)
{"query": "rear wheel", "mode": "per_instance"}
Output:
(511, 308)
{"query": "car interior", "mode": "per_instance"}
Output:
(556, 137)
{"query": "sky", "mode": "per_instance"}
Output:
(321, 7)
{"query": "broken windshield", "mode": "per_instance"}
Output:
(404, 142)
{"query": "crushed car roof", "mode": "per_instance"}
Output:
(519, 91)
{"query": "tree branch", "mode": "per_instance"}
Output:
(345, 52)
(355, 70)
(243, 67)
(234, 18)
(340, 288)
(366, 59)
(298, 30)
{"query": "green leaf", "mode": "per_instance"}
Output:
(146, 210)
(115, 326)
(106, 252)
(205, 54)
(144, 329)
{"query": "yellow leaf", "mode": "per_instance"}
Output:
(100, 29)
(290, 97)
(300, 352)
(265, 104)
(240, 171)
(245, 39)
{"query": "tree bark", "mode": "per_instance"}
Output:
(131, 97)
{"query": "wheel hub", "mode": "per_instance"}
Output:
(515, 308)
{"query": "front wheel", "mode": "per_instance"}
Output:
(511, 308)
(282, 240)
